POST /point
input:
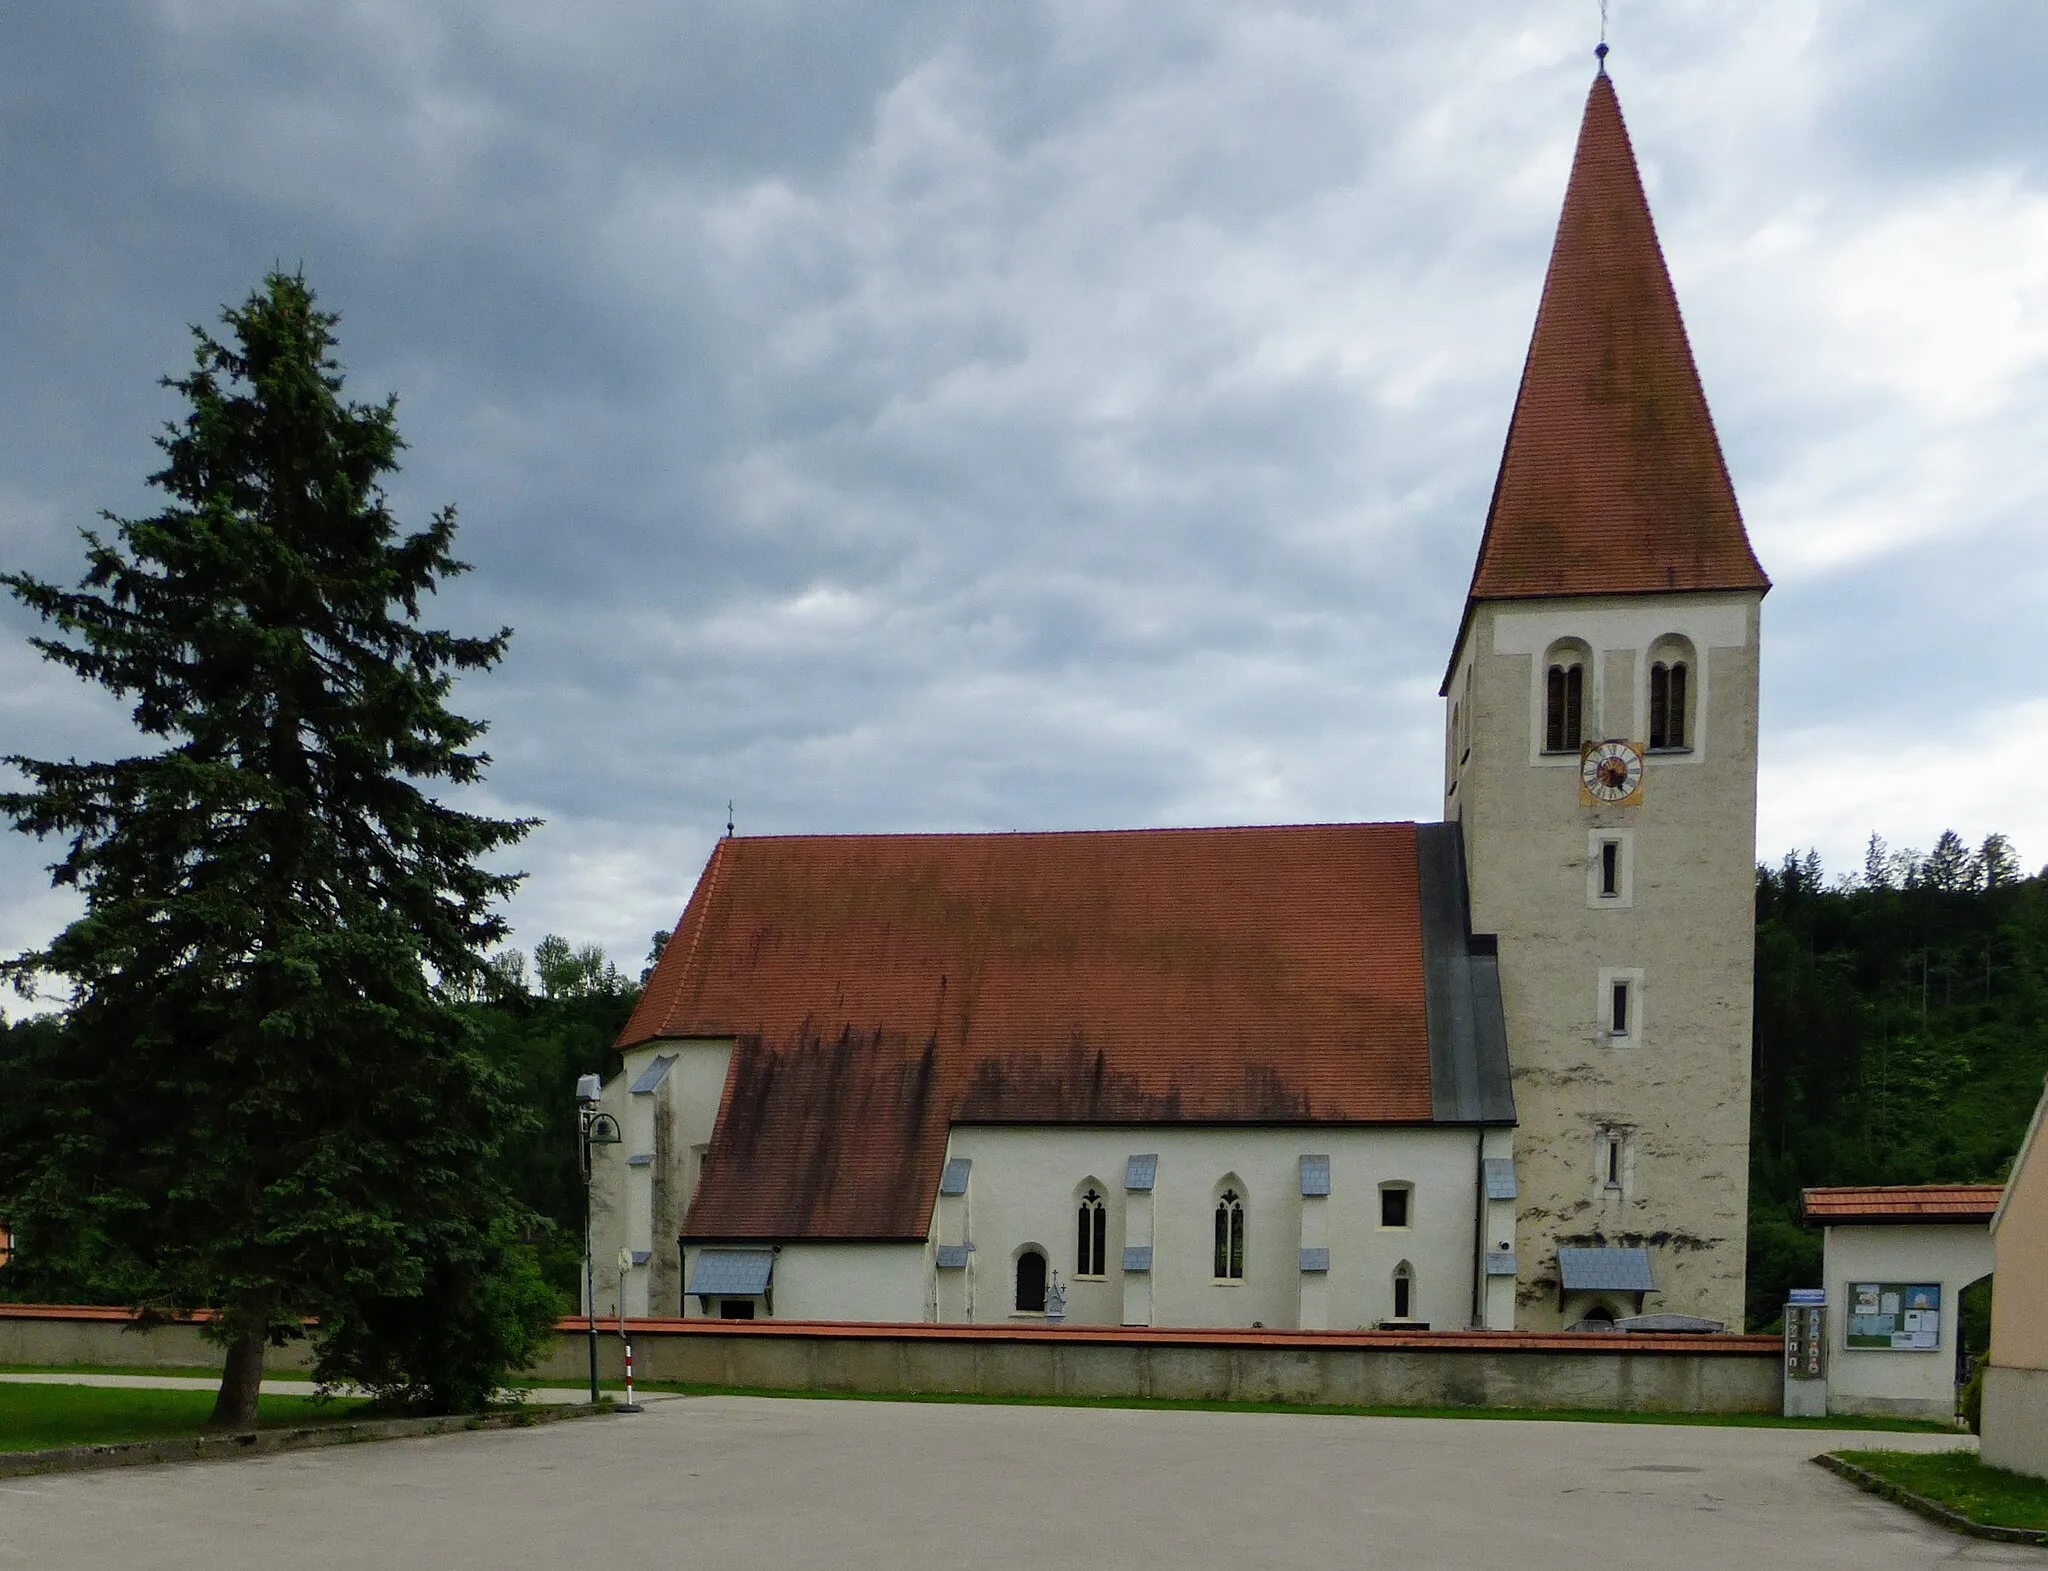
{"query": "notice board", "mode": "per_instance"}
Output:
(1899, 1317)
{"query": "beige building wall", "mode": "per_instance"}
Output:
(1674, 1094)
(2015, 1420)
(1902, 1383)
(639, 1205)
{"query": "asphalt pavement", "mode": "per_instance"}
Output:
(733, 1481)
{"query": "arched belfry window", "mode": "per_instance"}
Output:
(1671, 692)
(1229, 1237)
(1564, 703)
(1404, 1291)
(1031, 1282)
(1091, 1229)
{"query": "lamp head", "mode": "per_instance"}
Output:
(589, 1088)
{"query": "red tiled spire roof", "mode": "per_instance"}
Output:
(1612, 480)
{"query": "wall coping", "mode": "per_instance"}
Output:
(1716, 1344)
(1722, 1344)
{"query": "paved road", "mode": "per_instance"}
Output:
(729, 1481)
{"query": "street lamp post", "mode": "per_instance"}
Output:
(596, 1129)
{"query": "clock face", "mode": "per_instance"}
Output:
(1611, 772)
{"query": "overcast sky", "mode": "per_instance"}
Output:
(1047, 413)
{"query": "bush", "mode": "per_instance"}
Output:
(1973, 1398)
(451, 1348)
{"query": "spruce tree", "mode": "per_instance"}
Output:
(263, 1103)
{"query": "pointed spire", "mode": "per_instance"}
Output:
(1612, 480)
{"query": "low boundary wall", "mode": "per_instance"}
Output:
(1498, 1369)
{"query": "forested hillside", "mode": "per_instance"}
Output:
(1901, 1033)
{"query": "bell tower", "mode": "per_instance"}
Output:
(1601, 721)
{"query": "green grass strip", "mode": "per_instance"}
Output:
(36, 1417)
(1990, 1496)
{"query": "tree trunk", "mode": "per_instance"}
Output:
(241, 1381)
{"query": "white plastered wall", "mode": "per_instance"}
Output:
(1025, 1182)
(831, 1281)
(1903, 1383)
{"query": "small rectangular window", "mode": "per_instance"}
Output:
(1394, 1206)
(1610, 869)
(1618, 1010)
(735, 1309)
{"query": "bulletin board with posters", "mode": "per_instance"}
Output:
(1897, 1317)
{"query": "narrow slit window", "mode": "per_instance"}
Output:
(1229, 1237)
(1614, 1159)
(1404, 1291)
(1618, 1007)
(1610, 869)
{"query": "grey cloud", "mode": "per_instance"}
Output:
(1012, 417)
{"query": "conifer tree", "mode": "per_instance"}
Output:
(263, 1103)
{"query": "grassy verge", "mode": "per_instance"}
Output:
(1956, 1479)
(1188, 1405)
(34, 1417)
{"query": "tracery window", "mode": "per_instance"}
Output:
(1091, 1228)
(1564, 708)
(1229, 1237)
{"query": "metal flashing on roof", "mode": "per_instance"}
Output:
(1137, 1257)
(1315, 1175)
(640, 1159)
(955, 1180)
(1140, 1172)
(1468, 1033)
(652, 1076)
(642, 1256)
(1605, 1271)
(733, 1273)
(1500, 1178)
(1315, 1260)
(953, 1257)
(1500, 1262)
(1670, 1325)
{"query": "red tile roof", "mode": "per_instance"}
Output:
(882, 987)
(1903, 1203)
(1612, 480)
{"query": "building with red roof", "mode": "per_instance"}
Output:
(1308, 1076)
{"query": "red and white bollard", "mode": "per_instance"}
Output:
(629, 1405)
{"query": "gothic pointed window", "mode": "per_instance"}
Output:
(1404, 1291)
(1091, 1229)
(1229, 1237)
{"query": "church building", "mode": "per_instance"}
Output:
(1491, 1072)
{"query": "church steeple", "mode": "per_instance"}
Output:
(1612, 480)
